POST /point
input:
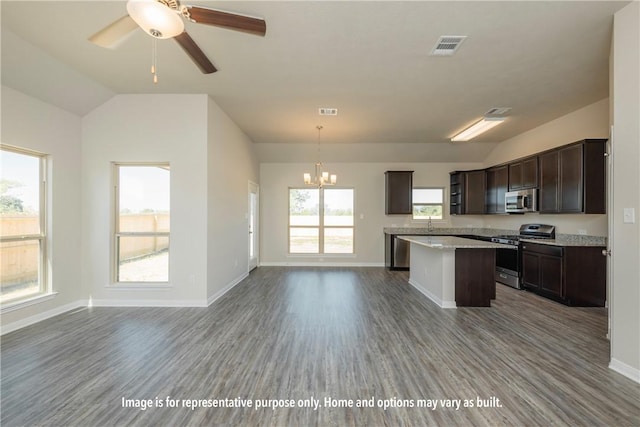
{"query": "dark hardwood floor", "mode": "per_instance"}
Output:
(297, 333)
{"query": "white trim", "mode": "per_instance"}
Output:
(432, 297)
(137, 286)
(626, 370)
(319, 264)
(226, 289)
(28, 321)
(147, 303)
(316, 256)
(11, 306)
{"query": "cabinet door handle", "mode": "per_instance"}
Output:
(606, 252)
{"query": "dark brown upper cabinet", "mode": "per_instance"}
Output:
(398, 192)
(573, 178)
(497, 185)
(456, 187)
(523, 174)
(475, 185)
(467, 192)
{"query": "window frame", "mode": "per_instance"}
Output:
(117, 234)
(44, 285)
(321, 227)
(443, 204)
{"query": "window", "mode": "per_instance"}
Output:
(22, 225)
(321, 221)
(428, 203)
(142, 223)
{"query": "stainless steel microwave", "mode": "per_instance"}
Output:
(521, 201)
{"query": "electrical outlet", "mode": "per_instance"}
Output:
(582, 232)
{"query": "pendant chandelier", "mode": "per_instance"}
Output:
(321, 177)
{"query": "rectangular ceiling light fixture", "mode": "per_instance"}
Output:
(479, 127)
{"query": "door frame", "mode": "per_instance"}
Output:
(254, 233)
(609, 158)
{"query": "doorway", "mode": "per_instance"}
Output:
(254, 235)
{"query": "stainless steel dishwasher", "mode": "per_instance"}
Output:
(401, 253)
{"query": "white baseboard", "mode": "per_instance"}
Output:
(147, 303)
(320, 264)
(18, 324)
(626, 370)
(28, 321)
(226, 289)
(432, 297)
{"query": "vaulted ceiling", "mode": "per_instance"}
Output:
(370, 60)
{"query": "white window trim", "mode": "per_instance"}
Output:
(45, 285)
(444, 206)
(320, 226)
(115, 284)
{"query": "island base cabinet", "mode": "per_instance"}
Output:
(475, 277)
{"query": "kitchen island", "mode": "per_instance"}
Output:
(454, 271)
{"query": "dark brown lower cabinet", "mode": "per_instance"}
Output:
(573, 275)
(475, 282)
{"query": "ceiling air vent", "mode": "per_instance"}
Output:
(328, 111)
(447, 45)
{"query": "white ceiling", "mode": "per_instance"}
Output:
(368, 59)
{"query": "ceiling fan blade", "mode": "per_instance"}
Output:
(115, 33)
(197, 55)
(228, 20)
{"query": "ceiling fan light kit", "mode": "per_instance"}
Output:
(163, 19)
(155, 18)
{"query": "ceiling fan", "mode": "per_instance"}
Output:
(163, 19)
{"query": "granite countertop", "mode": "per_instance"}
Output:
(560, 240)
(570, 240)
(450, 242)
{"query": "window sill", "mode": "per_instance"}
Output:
(322, 256)
(139, 286)
(16, 305)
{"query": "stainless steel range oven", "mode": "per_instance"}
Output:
(508, 260)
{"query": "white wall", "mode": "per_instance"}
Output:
(33, 124)
(367, 179)
(625, 291)
(147, 128)
(231, 164)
